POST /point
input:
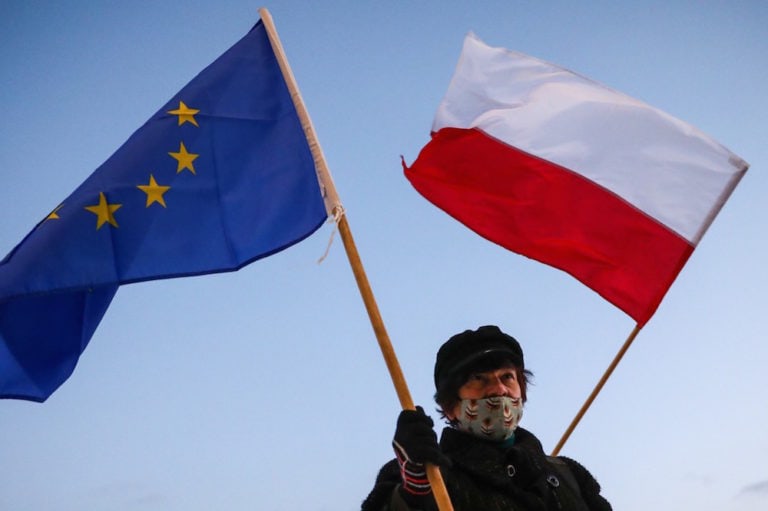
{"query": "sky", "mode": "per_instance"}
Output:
(265, 388)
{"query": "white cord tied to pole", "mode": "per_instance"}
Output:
(338, 212)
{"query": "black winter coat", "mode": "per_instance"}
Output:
(486, 477)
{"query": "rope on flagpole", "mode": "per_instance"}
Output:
(335, 209)
(338, 213)
(597, 389)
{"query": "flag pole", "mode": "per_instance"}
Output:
(336, 210)
(597, 389)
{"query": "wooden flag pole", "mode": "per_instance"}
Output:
(336, 210)
(596, 390)
(395, 372)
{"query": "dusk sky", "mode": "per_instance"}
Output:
(265, 388)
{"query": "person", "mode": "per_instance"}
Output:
(488, 463)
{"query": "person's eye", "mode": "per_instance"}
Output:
(478, 379)
(510, 376)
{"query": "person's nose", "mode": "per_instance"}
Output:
(496, 387)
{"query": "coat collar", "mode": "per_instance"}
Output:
(523, 462)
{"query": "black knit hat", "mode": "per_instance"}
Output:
(471, 346)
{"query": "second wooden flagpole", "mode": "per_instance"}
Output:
(335, 209)
(596, 390)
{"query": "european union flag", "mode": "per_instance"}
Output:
(220, 176)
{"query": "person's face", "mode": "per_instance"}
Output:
(481, 385)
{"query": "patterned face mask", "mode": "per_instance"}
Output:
(493, 418)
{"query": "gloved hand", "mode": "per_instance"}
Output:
(415, 444)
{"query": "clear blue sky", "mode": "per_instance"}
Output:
(265, 389)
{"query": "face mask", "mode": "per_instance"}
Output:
(493, 418)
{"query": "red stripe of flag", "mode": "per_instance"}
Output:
(548, 213)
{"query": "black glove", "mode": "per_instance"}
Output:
(415, 444)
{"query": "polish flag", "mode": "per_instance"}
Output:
(566, 171)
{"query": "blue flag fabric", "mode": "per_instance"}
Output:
(220, 176)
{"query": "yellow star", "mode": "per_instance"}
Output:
(54, 215)
(104, 211)
(154, 191)
(185, 114)
(185, 159)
